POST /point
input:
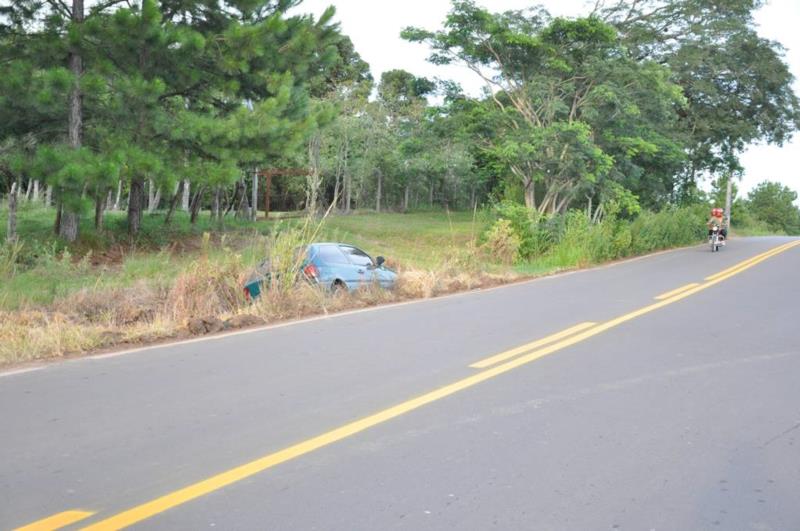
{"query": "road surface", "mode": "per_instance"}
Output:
(659, 393)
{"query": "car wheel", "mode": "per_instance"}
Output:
(338, 288)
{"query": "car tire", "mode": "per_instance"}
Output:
(338, 288)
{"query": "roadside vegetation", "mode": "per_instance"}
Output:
(57, 299)
(144, 145)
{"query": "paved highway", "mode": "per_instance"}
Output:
(659, 393)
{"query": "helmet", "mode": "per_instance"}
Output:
(717, 212)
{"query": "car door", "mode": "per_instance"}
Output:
(334, 265)
(363, 266)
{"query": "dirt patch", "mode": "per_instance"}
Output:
(204, 325)
(113, 256)
(243, 321)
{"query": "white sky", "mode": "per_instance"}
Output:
(375, 25)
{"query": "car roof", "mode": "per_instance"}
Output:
(333, 243)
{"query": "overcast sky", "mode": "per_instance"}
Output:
(375, 25)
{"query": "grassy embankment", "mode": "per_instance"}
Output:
(108, 290)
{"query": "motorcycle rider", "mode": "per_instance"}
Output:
(717, 220)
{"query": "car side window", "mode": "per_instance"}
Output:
(357, 256)
(330, 254)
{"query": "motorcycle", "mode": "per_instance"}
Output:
(716, 240)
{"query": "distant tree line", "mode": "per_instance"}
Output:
(165, 104)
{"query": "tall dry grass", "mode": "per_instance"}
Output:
(211, 287)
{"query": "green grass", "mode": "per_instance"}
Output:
(423, 239)
(756, 230)
(108, 288)
(49, 270)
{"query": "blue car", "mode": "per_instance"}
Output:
(334, 267)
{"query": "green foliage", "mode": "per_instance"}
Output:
(170, 90)
(574, 239)
(502, 242)
(527, 225)
(668, 228)
(571, 107)
(744, 223)
(774, 204)
(737, 85)
(608, 114)
(9, 256)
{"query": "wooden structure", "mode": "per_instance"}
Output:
(268, 174)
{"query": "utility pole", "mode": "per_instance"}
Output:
(728, 199)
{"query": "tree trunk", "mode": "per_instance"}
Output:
(243, 207)
(185, 197)
(195, 204)
(68, 228)
(99, 208)
(59, 212)
(35, 190)
(153, 196)
(119, 195)
(313, 181)
(336, 188)
(430, 194)
(530, 193)
(11, 232)
(215, 206)
(69, 219)
(254, 198)
(149, 187)
(135, 205)
(110, 199)
(48, 196)
(380, 191)
(348, 195)
(234, 200)
(174, 203)
(156, 200)
(406, 198)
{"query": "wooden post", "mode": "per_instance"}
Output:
(254, 211)
(267, 188)
(11, 233)
(185, 196)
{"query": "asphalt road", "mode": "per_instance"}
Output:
(674, 413)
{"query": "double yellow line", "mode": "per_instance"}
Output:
(741, 266)
(494, 366)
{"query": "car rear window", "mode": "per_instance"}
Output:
(330, 254)
(357, 256)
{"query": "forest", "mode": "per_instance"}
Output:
(231, 108)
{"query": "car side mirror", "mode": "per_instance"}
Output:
(380, 260)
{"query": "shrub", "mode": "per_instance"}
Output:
(669, 228)
(531, 228)
(502, 242)
(208, 288)
(9, 258)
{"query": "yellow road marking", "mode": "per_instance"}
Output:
(497, 358)
(669, 294)
(776, 250)
(57, 521)
(201, 488)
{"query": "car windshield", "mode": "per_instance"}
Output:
(357, 256)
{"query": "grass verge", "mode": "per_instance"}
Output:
(109, 291)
